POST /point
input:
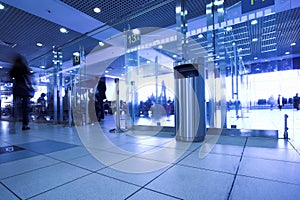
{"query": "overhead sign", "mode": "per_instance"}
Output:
(133, 39)
(76, 60)
(250, 5)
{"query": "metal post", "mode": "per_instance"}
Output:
(55, 70)
(118, 126)
(118, 104)
(286, 134)
(70, 107)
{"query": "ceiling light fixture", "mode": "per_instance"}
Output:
(101, 44)
(97, 10)
(42, 67)
(160, 46)
(76, 53)
(136, 31)
(1, 6)
(148, 61)
(255, 58)
(287, 53)
(253, 22)
(106, 71)
(254, 40)
(229, 28)
(1, 67)
(293, 44)
(174, 56)
(39, 44)
(200, 36)
(63, 30)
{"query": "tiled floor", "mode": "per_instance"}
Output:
(88, 162)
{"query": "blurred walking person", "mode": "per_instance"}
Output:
(22, 88)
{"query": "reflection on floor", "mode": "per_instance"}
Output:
(252, 119)
(88, 162)
(267, 120)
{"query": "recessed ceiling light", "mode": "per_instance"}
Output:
(293, 44)
(136, 31)
(160, 46)
(229, 28)
(1, 67)
(254, 40)
(253, 22)
(287, 53)
(42, 67)
(39, 44)
(106, 71)
(1, 6)
(97, 10)
(31, 71)
(200, 36)
(148, 61)
(233, 44)
(76, 54)
(174, 56)
(255, 58)
(63, 30)
(101, 44)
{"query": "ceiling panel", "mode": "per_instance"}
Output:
(25, 30)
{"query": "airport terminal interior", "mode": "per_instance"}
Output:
(151, 99)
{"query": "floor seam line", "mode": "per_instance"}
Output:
(9, 190)
(237, 170)
(59, 185)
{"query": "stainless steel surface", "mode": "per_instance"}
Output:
(190, 118)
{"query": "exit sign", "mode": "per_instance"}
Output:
(250, 5)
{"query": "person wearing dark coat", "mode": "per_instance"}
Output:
(22, 87)
(296, 100)
(99, 97)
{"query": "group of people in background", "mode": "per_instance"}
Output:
(281, 101)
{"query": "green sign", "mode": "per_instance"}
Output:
(133, 39)
(250, 5)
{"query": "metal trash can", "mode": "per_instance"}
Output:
(190, 117)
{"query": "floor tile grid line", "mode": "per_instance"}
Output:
(272, 180)
(10, 190)
(124, 181)
(143, 187)
(67, 162)
(225, 154)
(205, 169)
(31, 170)
(154, 145)
(294, 147)
(133, 154)
(237, 170)
(30, 136)
(172, 165)
(59, 185)
(153, 191)
(271, 159)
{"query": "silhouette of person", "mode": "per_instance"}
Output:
(22, 87)
(280, 102)
(100, 96)
(296, 101)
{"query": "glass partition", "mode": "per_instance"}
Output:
(247, 56)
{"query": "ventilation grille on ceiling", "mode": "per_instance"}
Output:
(7, 44)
